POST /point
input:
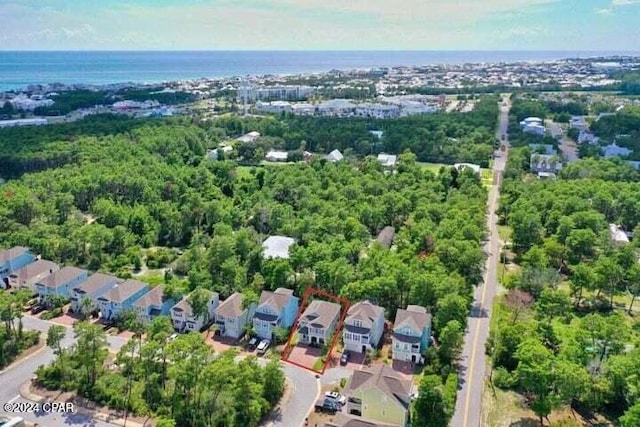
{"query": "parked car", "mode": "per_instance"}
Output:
(263, 346)
(327, 405)
(253, 342)
(345, 357)
(335, 396)
(38, 308)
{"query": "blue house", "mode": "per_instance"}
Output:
(275, 309)
(121, 297)
(92, 288)
(60, 283)
(153, 304)
(411, 334)
(12, 260)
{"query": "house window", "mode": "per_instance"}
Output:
(357, 323)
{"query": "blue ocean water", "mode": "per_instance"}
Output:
(19, 69)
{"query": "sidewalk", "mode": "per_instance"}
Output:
(275, 412)
(25, 392)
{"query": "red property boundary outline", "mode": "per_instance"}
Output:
(308, 293)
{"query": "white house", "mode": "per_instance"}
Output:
(388, 160)
(318, 322)
(231, 318)
(183, 318)
(363, 327)
(461, 166)
(249, 137)
(335, 156)
(277, 247)
(618, 236)
(276, 156)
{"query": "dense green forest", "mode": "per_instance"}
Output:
(123, 193)
(179, 382)
(567, 333)
(438, 138)
(68, 101)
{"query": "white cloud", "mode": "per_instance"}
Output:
(624, 2)
(605, 11)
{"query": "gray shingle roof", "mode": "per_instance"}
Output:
(185, 307)
(277, 300)
(35, 269)
(231, 307)
(14, 252)
(62, 276)
(154, 297)
(414, 316)
(95, 282)
(124, 290)
(365, 312)
(320, 314)
(382, 378)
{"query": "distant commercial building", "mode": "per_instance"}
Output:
(285, 92)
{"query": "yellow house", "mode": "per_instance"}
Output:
(380, 394)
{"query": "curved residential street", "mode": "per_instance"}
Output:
(304, 384)
(473, 361)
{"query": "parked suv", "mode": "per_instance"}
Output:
(263, 346)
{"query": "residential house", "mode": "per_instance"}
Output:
(335, 156)
(153, 304)
(120, 297)
(385, 237)
(363, 327)
(587, 137)
(533, 125)
(614, 150)
(278, 308)
(542, 149)
(30, 274)
(380, 394)
(377, 133)
(231, 318)
(60, 283)
(345, 420)
(388, 160)
(618, 236)
(462, 166)
(318, 322)
(277, 247)
(545, 163)
(92, 288)
(276, 156)
(249, 137)
(13, 260)
(183, 318)
(411, 334)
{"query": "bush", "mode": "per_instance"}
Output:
(343, 382)
(49, 377)
(503, 378)
(52, 314)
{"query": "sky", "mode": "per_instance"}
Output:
(569, 25)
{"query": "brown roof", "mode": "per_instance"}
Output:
(346, 420)
(366, 312)
(278, 299)
(124, 290)
(9, 254)
(385, 237)
(34, 269)
(185, 307)
(231, 307)
(62, 276)
(96, 282)
(154, 297)
(384, 379)
(320, 314)
(414, 316)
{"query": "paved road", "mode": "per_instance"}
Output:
(567, 146)
(305, 386)
(473, 361)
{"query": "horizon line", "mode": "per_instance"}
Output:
(319, 50)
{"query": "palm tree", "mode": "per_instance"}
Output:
(86, 307)
(55, 335)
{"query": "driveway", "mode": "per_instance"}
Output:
(305, 386)
(304, 355)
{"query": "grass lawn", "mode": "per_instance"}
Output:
(432, 167)
(244, 171)
(504, 231)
